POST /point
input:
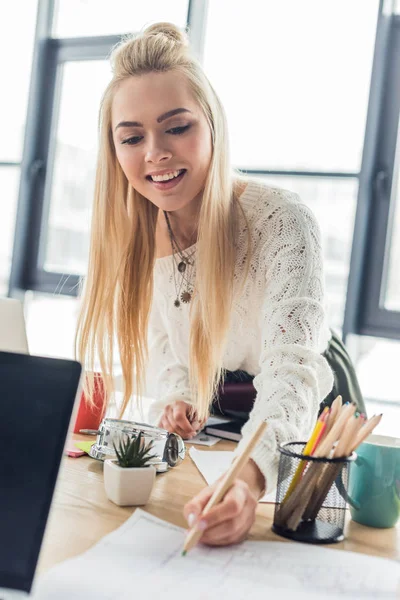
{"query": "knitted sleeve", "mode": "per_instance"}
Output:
(167, 379)
(294, 377)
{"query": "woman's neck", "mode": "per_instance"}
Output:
(183, 224)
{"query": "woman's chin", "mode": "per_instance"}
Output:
(171, 203)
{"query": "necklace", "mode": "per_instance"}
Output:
(182, 262)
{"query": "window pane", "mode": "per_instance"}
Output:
(9, 183)
(17, 30)
(60, 314)
(75, 18)
(72, 185)
(294, 79)
(333, 202)
(392, 294)
(373, 356)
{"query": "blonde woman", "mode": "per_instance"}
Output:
(196, 271)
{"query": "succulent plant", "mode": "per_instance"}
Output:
(132, 452)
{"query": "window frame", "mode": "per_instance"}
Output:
(363, 315)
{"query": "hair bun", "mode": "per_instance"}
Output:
(169, 30)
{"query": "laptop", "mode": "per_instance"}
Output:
(37, 398)
(12, 326)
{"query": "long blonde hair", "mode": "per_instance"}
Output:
(119, 286)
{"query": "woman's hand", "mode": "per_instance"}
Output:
(229, 521)
(180, 417)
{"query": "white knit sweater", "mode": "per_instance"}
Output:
(278, 329)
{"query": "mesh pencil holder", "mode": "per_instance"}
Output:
(311, 496)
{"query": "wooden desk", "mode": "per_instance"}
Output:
(81, 513)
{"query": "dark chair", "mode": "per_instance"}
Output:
(237, 393)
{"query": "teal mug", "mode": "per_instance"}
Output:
(374, 482)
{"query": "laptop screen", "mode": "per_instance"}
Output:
(36, 401)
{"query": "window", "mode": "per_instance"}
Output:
(16, 39)
(70, 191)
(391, 293)
(70, 76)
(74, 18)
(296, 102)
(16, 47)
(293, 81)
(377, 296)
(9, 180)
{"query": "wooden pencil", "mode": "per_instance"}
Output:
(309, 448)
(364, 432)
(225, 484)
(333, 414)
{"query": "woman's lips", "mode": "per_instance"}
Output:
(170, 183)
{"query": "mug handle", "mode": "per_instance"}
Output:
(342, 489)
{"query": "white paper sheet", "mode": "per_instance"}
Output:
(142, 559)
(214, 464)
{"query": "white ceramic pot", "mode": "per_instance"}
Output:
(128, 487)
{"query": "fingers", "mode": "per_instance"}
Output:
(231, 531)
(227, 523)
(230, 507)
(193, 509)
(180, 417)
(175, 420)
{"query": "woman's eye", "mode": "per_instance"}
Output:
(178, 130)
(132, 141)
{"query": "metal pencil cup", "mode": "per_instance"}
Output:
(311, 496)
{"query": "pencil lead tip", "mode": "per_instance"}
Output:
(184, 552)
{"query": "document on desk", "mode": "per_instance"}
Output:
(214, 464)
(142, 559)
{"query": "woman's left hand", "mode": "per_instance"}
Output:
(229, 521)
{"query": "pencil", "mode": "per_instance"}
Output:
(225, 484)
(333, 414)
(365, 430)
(309, 449)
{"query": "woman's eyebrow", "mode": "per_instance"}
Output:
(163, 117)
(171, 113)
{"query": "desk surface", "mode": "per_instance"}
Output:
(81, 513)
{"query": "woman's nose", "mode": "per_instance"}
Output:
(156, 152)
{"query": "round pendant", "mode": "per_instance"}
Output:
(182, 267)
(177, 303)
(186, 297)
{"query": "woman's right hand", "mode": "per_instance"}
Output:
(180, 417)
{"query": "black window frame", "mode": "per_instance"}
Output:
(365, 313)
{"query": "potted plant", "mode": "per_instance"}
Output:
(129, 479)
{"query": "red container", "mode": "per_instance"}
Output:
(90, 416)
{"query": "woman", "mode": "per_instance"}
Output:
(212, 270)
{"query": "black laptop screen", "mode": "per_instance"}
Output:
(36, 401)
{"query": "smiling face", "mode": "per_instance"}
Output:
(162, 139)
